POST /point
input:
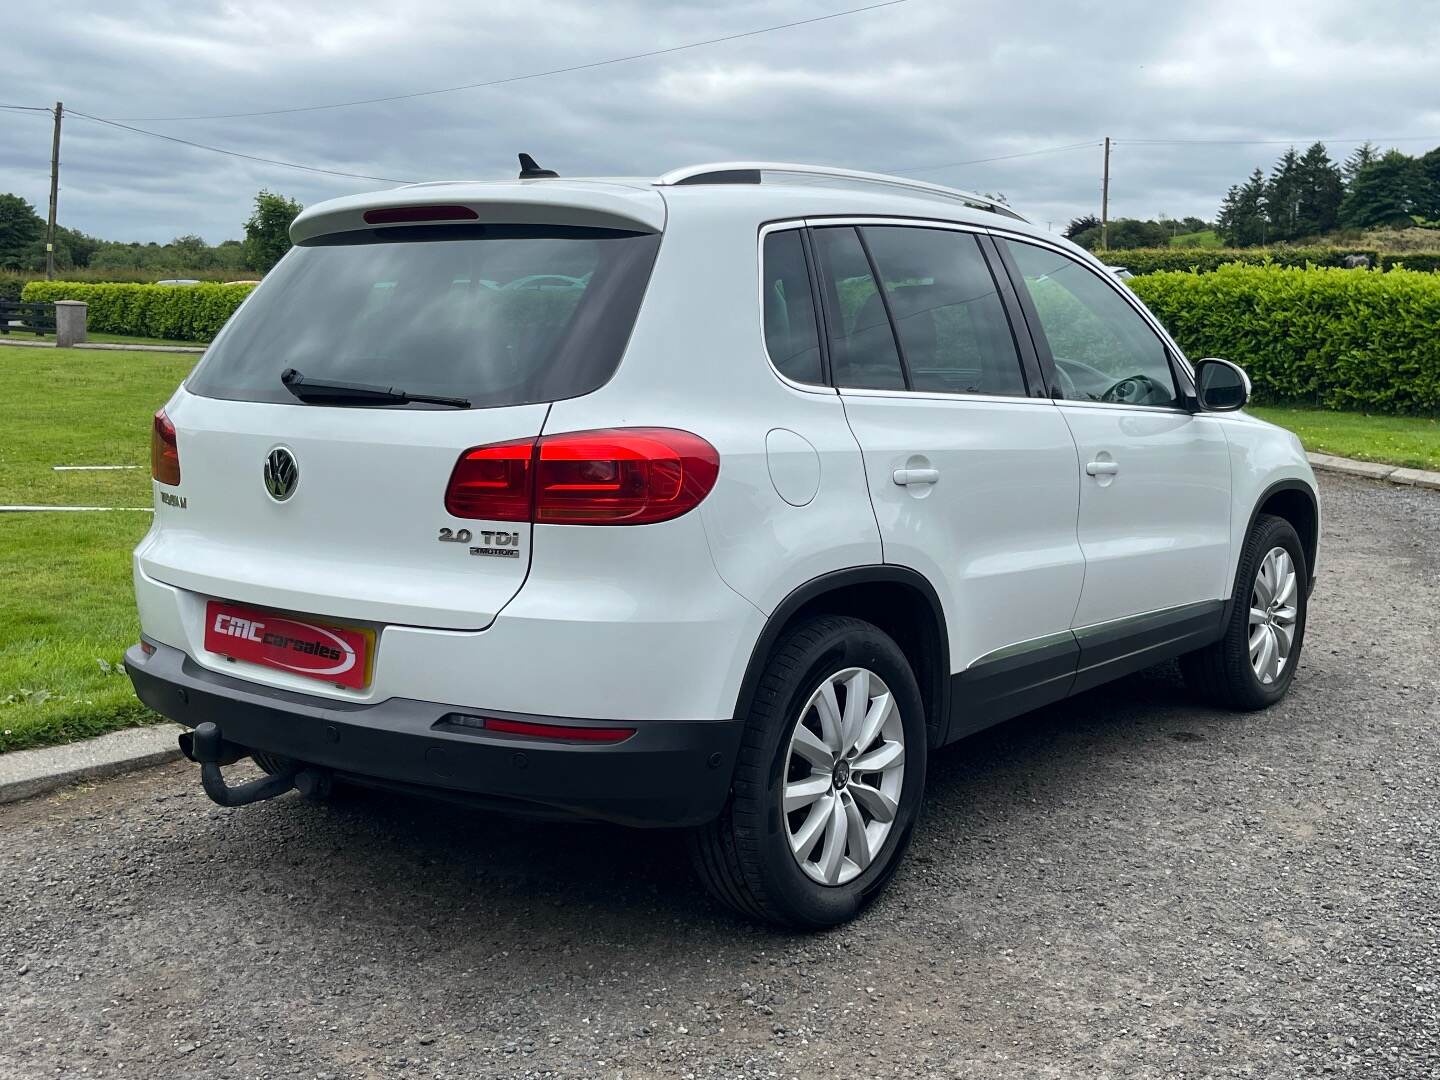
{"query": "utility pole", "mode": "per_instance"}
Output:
(54, 194)
(1104, 199)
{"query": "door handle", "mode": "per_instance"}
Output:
(906, 477)
(1103, 468)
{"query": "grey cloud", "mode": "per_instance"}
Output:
(901, 89)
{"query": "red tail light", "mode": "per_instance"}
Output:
(617, 476)
(492, 482)
(164, 452)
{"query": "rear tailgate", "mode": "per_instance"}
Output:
(494, 299)
(359, 537)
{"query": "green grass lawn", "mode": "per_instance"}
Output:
(109, 339)
(1410, 441)
(1206, 238)
(67, 611)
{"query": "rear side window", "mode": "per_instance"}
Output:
(862, 347)
(953, 330)
(498, 314)
(792, 337)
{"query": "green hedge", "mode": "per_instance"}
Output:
(1414, 260)
(176, 312)
(1338, 338)
(1157, 260)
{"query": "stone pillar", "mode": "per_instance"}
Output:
(69, 322)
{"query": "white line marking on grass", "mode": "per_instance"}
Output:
(91, 468)
(44, 509)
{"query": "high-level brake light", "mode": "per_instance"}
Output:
(388, 215)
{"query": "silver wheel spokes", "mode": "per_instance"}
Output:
(843, 774)
(1273, 611)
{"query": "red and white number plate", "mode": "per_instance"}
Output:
(332, 654)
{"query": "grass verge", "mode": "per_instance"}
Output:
(1409, 441)
(67, 611)
(111, 339)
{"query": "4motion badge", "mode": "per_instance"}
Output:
(495, 543)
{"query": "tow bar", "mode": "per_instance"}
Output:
(205, 746)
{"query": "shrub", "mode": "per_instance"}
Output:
(10, 286)
(1343, 339)
(95, 274)
(1411, 260)
(1156, 260)
(176, 312)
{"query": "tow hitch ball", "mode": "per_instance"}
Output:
(206, 746)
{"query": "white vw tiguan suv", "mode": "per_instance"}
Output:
(717, 500)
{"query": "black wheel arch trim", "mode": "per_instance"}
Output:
(1311, 544)
(816, 588)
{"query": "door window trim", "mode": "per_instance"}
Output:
(1180, 369)
(1027, 358)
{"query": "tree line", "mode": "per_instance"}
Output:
(266, 238)
(1309, 194)
(1304, 196)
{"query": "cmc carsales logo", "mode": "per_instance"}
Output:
(333, 654)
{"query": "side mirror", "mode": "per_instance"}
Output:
(1220, 386)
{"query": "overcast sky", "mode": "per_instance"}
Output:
(903, 89)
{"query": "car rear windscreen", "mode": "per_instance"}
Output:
(497, 314)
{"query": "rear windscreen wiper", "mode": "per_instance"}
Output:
(319, 392)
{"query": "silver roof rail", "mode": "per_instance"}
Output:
(748, 172)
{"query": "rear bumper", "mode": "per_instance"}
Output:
(668, 773)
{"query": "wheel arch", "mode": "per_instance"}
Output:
(1297, 503)
(898, 600)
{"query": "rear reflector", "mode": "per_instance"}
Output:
(389, 215)
(536, 730)
(615, 476)
(164, 451)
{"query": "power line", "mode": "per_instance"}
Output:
(1279, 142)
(1007, 157)
(27, 108)
(236, 153)
(530, 75)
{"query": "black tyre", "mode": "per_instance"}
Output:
(829, 781)
(1252, 666)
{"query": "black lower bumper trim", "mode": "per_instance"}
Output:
(668, 773)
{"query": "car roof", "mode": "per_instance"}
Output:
(721, 191)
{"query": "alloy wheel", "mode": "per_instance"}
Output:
(1273, 613)
(843, 774)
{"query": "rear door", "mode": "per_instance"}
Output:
(507, 317)
(972, 475)
(1154, 477)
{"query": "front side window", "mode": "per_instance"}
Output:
(1103, 349)
(862, 346)
(954, 335)
(792, 336)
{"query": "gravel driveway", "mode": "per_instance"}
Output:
(1124, 885)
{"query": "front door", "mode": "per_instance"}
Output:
(1154, 477)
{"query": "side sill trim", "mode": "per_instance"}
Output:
(1030, 674)
(1110, 650)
